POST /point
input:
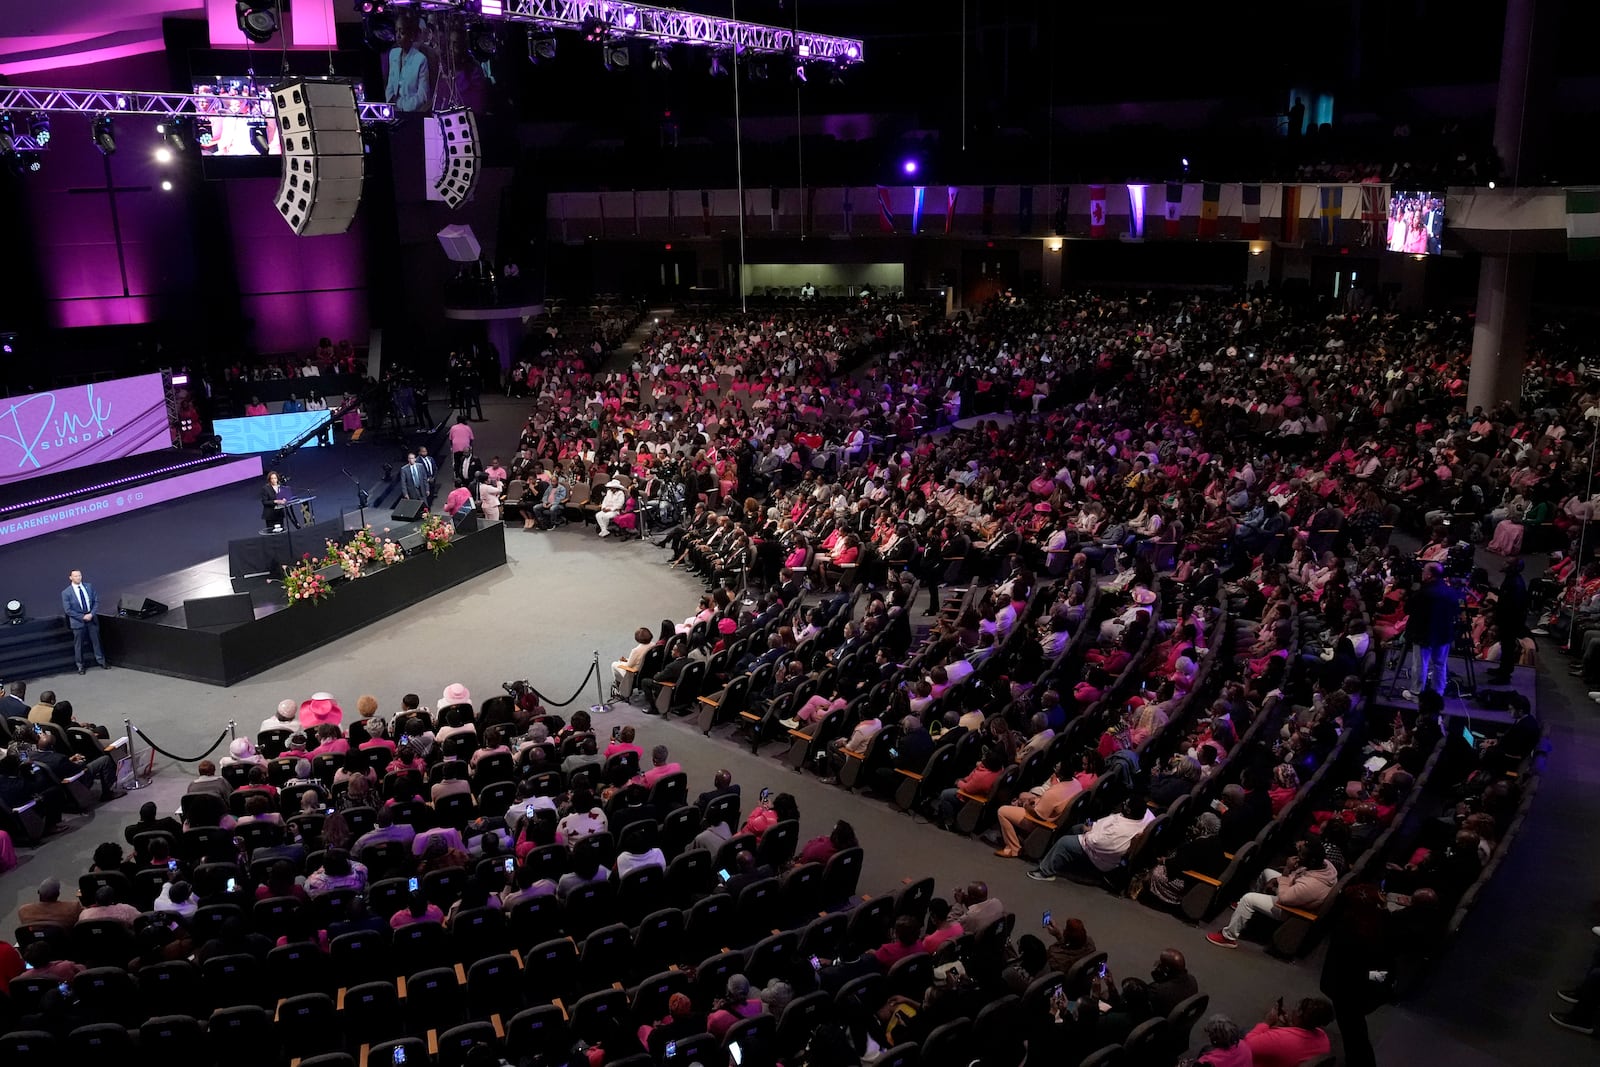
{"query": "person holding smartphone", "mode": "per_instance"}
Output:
(418, 910)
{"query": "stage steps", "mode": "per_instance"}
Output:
(36, 648)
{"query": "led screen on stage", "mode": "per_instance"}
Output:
(266, 433)
(58, 430)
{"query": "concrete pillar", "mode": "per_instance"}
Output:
(1505, 290)
(1505, 283)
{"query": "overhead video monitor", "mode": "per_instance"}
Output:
(1416, 222)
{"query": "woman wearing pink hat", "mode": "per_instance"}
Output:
(321, 709)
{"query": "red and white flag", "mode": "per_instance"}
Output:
(1097, 211)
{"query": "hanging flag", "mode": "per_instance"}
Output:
(1249, 211)
(950, 194)
(988, 210)
(774, 207)
(848, 209)
(919, 191)
(1583, 223)
(885, 212)
(705, 209)
(1332, 211)
(1137, 199)
(809, 224)
(1289, 214)
(1025, 210)
(1097, 211)
(1174, 223)
(1210, 204)
(1372, 215)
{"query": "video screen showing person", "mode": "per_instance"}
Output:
(408, 69)
(1416, 222)
(240, 116)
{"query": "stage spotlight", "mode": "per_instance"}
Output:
(176, 131)
(717, 68)
(163, 154)
(203, 133)
(541, 48)
(615, 56)
(659, 61)
(258, 20)
(909, 166)
(372, 7)
(166, 187)
(758, 71)
(483, 43)
(799, 76)
(30, 161)
(8, 133)
(14, 612)
(595, 30)
(258, 137)
(39, 128)
(835, 74)
(105, 137)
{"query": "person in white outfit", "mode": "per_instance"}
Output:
(610, 506)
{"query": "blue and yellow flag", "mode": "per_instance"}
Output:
(1332, 211)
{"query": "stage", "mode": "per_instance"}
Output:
(176, 548)
(227, 654)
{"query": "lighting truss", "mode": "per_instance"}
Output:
(133, 102)
(663, 24)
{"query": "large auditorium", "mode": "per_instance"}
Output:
(799, 533)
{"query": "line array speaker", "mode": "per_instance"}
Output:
(459, 129)
(320, 131)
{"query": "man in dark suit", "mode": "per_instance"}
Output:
(431, 486)
(669, 672)
(1511, 620)
(413, 479)
(78, 603)
(13, 705)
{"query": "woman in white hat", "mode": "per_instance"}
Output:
(611, 506)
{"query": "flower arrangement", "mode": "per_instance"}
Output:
(390, 553)
(302, 582)
(436, 533)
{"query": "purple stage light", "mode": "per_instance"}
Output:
(852, 51)
(630, 20)
(804, 50)
(909, 166)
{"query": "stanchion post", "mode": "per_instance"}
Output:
(599, 707)
(133, 781)
(233, 731)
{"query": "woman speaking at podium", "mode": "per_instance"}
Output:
(273, 495)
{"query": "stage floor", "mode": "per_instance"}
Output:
(1524, 680)
(177, 550)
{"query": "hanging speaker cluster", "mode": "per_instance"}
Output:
(458, 130)
(320, 130)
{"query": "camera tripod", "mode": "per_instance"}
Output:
(1464, 685)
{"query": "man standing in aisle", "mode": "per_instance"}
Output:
(1432, 610)
(78, 603)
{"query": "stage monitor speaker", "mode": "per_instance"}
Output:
(205, 612)
(407, 510)
(320, 130)
(466, 524)
(134, 606)
(411, 542)
(459, 131)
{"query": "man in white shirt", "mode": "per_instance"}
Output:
(1101, 844)
(407, 87)
(628, 862)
